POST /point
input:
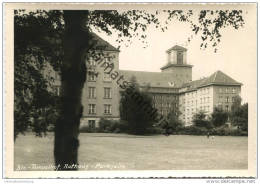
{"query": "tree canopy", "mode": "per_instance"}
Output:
(200, 119)
(132, 110)
(239, 114)
(219, 117)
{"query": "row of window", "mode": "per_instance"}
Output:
(92, 76)
(92, 62)
(204, 90)
(192, 111)
(92, 92)
(165, 112)
(226, 99)
(92, 108)
(201, 91)
(164, 97)
(204, 108)
(224, 107)
(227, 90)
(169, 105)
(202, 100)
(171, 57)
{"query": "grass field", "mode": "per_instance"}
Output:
(100, 151)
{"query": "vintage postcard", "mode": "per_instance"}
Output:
(130, 90)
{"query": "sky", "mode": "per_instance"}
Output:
(236, 55)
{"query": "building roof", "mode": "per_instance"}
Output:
(193, 84)
(153, 79)
(217, 78)
(101, 43)
(176, 47)
(168, 65)
(220, 78)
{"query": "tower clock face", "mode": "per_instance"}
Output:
(171, 84)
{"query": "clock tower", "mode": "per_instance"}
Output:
(177, 64)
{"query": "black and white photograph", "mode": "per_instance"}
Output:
(147, 89)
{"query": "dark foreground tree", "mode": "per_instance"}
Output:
(57, 37)
(239, 114)
(173, 118)
(200, 120)
(219, 117)
(133, 111)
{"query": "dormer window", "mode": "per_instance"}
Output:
(179, 57)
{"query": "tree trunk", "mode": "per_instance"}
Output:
(73, 77)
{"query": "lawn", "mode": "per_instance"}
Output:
(100, 151)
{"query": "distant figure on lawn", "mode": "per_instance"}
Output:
(168, 131)
(208, 134)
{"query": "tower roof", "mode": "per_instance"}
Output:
(176, 47)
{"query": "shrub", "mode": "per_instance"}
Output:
(193, 130)
(226, 131)
(219, 117)
(135, 108)
(86, 129)
(174, 123)
(155, 130)
(199, 120)
(112, 126)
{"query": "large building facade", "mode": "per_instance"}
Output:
(172, 88)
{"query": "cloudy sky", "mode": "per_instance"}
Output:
(236, 54)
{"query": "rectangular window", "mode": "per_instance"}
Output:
(107, 93)
(107, 77)
(92, 108)
(220, 99)
(234, 90)
(91, 62)
(179, 57)
(107, 109)
(226, 90)
(92, 76)
(92, 92)
(227, 99)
